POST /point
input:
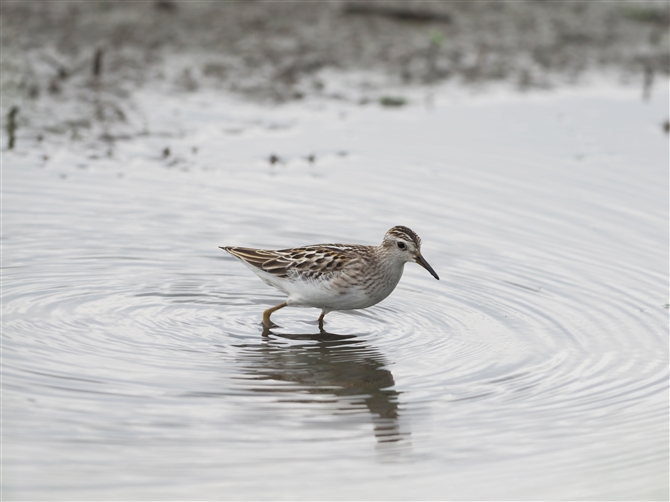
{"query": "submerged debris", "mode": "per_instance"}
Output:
(648, 14)
(397, 13)
(392, 101)
(97, 62)
(166, 5)
(11, 126)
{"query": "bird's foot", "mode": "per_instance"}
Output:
(269, 324)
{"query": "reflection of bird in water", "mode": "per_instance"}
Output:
(335, 276)
(328, 364)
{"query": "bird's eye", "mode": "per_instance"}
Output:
(401, 244)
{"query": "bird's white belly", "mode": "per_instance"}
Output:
(312, 294)
(336, 294)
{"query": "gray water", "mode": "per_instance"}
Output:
(134, 365)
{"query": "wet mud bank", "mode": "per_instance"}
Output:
(72, 68)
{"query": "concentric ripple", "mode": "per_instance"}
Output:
(132, 347)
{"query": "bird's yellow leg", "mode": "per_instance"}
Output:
(266, 315)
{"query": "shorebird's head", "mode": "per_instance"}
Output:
(404, 245)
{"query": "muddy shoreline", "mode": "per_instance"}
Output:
(70, 65)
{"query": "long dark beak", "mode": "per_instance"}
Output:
(421, 261)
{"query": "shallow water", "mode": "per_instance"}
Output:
(134, 364)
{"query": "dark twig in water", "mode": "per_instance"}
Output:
(397, 13)
(11, 126)
(97, 62)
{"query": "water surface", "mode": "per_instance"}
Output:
(135, 366)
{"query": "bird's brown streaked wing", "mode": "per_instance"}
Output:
(317, 261)
(269, 261)
(307, 262)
